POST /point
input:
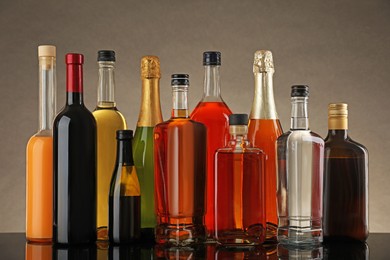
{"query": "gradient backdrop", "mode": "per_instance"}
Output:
(341, 49)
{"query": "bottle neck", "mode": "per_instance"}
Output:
(74, 84)
(238, 136)
(299, 113)
(180, 102)
(338, 126)
(124, 152)
(264, 103)
(106, 85)
(150, 112)
(47, 92)
(212, 87)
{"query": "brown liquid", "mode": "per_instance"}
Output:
(345, 189)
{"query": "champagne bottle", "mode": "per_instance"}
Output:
(74, 149)
(39, 154)
(149, 116)
(108, 121)
(264, 130)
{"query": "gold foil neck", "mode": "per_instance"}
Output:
(263, 62)
(338, 116)
(150, 67)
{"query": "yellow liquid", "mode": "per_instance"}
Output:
(108, 121)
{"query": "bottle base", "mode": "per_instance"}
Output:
(252, 236)
(181, 234)
(271, 234)
(300, 236)
(39, 240)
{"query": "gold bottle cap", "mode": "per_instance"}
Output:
(338, 116)
(263, 61)
(150, 67)
(46, 51)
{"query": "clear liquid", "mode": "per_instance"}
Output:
(299, 191)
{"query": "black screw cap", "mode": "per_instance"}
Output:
(238, 119)
(180, 79)
(124, 134)
(106, 55)
(299, 91)
(211, 58)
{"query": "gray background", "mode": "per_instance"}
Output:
(339, 48)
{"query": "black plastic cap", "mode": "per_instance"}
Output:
(124, 134)
(211, 58)
(238, 119)
(180, 79)
(106, 55)
(299, 91)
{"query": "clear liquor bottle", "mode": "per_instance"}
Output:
(213, 112)
(39, 154)
(180, 172)
(149, 116)
(300, 154)
(345, 181)
(108, 121)
(264, 130)
(239, 189)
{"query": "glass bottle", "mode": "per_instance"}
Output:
(74, 149)
(125, 194)
(239, 188)
(108, 121)
(213, 113)
(345, 181)
(149, 116)
(300, 154)
(39, 154)
(264, 130)
(38, 251)
(180, 172)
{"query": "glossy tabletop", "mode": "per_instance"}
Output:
(13, 246)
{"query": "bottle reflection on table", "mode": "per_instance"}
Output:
(180, 253)
(302, 253)
(35, 251)
(240, 253)
(84, 252)
(346, 250)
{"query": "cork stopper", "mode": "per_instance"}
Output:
(338, 116)
(150, 67)
(46, 51)
(263, 62)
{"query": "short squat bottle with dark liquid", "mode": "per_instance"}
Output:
(345, 214)
(124, 218)
(74, 161)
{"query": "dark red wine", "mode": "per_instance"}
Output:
(74, 149)
(124, 219)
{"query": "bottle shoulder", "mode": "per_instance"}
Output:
(301, 136)
(180, 123)
(344, 147)
(241, 150)
(109, 115)
(211, 110)
(75, 114)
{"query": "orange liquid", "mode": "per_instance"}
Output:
(39, 189)
(215, 116)
(180, 175)
(38, 251)
(262, 133)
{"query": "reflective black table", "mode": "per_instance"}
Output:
(13, 246)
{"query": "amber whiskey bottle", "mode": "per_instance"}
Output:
(180, 172)
(345, 215)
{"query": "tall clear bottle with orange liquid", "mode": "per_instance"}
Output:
(213, 112)
(264, 130)
(39, 154)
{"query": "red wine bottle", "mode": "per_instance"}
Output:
(74, 150)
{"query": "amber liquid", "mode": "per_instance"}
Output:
(180, 179)
(215, 116)
(239, 197)
(263, 133)
(39, 189)
(345, 214)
